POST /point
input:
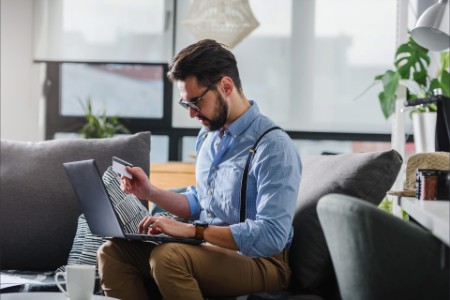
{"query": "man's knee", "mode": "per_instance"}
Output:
(106, 250)
(114, 252)
(170, 258)
(102, 250)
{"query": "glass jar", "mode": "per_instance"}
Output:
(428, 184)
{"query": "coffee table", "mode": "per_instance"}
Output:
(44, 296)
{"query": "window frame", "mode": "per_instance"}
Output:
(55, 122)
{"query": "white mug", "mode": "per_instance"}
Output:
(80, 281)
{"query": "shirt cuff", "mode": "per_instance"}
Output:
(193, 205)
(244, 235)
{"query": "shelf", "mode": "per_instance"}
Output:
(431, 214)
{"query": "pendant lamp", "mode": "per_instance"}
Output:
(226, 21)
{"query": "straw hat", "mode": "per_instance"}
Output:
(429, 160)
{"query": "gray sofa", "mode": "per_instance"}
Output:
(38, 209)
(39, 214)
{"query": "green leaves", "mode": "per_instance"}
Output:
(411, 70)
(445, 84)
(387, 97)
(412, 60)
(100, 126)
(444, 75)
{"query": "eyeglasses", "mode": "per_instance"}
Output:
(193, 102)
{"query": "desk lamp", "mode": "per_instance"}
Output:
(432, 28)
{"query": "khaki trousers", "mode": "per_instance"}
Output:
(133, 270)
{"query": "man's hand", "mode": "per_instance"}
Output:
(156, 225)
(139, 185)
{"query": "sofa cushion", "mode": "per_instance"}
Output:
(36, 195)
(363, 175)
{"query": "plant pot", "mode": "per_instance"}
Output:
(424, 127)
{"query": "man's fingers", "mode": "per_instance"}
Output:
(145, 224)
(154, 230)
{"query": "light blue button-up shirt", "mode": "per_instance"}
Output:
(272, 184)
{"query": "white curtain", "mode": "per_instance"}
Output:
(103, 30)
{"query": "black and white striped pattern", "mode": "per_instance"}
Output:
(127, 206)
(85, 245)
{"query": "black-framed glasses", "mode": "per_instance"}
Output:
(193, 102)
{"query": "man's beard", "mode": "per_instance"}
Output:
(220, 115)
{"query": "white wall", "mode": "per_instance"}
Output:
(20, 91)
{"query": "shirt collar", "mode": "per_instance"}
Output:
(244, 121)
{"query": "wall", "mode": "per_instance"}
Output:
(20, 100)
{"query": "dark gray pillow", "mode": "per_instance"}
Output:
(363, 175)
(39, 211)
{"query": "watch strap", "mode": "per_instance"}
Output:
(199, 230)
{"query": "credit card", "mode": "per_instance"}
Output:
(118, 166)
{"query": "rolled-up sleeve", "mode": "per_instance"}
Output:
(194, 206)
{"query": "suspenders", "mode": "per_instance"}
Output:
(251, 153)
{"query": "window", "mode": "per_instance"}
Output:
(308, 61)
(128, 90)
(104, 30)
(305, 66)
(139, 93)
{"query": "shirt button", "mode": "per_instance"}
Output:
(209, 192)
(210, 215)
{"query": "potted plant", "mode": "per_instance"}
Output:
(100, 126)
(412, 63)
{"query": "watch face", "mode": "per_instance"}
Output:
(201, 223)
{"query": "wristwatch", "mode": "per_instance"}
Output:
(200, 227)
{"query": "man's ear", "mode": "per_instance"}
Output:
(227, 85)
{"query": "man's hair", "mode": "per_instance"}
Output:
(208, 61)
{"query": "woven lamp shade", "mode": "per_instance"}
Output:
(226, 21)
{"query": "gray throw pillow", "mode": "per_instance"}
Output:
(39, 210)
(366, 176)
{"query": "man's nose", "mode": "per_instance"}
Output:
(193, 112)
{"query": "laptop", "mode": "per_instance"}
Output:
(98, 208)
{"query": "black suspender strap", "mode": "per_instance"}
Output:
(251, 153)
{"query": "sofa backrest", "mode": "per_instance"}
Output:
(363, 175)
(38, 208)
